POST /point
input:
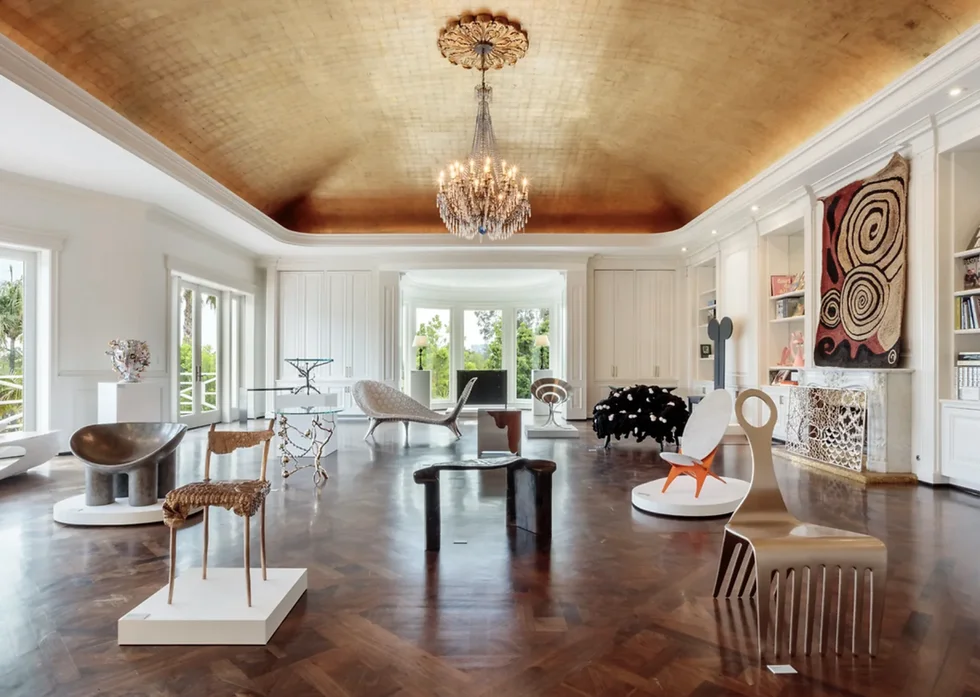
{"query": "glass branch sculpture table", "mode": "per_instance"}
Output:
(306, 437)
(305, 366)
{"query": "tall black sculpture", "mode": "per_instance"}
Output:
(720, 332)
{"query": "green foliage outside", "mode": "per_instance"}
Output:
(530, 323)
(209, 358)
(436, 357)
(12, 337)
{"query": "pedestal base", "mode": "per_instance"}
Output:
(214, 612)
(716, 499)
(73, 511)
(551, 432)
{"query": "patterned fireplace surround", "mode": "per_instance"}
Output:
(860, 415)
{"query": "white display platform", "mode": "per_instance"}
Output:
(73, 511)
(716, 499)
(214, 612)
(130, 401)
(550, 432)
(539, 408)
(420, 387)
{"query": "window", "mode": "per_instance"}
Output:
(12, 349)
(435, 326)
(483, 340)
(530, 324)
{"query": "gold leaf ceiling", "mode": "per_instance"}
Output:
(626, 115)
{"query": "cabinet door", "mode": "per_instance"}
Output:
(335, 344)
(604, 331)
(300, 317)
(358, 319)
(625, 330)
(655, 331)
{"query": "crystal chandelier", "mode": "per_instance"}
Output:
(483, 197)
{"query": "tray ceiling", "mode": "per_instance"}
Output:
(629, 116)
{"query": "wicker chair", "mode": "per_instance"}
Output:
(243, 497)
(381, 403)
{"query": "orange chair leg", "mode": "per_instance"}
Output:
(671, 476)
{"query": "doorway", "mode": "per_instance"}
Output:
(201, 391)
(16, 335)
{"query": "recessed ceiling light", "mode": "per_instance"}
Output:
(683, 249)
(956, 92)
(714, 232)
(755, 209)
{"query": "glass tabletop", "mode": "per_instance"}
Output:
(308, 360)
(308, 411)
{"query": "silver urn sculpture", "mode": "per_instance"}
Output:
(129, 357)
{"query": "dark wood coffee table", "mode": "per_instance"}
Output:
(528, 494)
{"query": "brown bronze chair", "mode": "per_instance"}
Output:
(243, 497)
(779, 547)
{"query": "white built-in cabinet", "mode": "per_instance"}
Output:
(634, 333)
(327, 314)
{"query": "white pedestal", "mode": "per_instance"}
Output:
(130, 401)
(538, 407)
(551, 432)
(214, 612)
(73, 511)
(420, 387)
(716, 499)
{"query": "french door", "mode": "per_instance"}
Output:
(201, 390)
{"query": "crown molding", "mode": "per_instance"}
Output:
(32, 239)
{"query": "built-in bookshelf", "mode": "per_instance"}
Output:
(785, 285)
(705, 289)
(960, 214)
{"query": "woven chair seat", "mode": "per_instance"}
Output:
(243, 497)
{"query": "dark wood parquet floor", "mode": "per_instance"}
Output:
(620, 606)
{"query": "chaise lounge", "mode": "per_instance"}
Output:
(382, 403)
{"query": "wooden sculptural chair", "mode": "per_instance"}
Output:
(780, 547)
(243, 497)
(701, 438)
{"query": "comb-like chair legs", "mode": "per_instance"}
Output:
(783, 599)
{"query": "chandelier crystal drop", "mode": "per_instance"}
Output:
(483, 196)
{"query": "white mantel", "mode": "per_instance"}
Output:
(889, 417)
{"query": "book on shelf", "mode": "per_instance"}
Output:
(968, 356)
(968, 380)
(969, 312)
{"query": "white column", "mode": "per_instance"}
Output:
(576, 350)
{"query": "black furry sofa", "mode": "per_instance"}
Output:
(641, 411)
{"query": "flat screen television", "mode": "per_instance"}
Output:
(490, 388)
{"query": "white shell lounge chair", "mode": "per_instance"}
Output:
(381, 403)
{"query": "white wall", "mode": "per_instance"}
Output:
(111, 281)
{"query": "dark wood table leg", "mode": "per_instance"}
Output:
(511, 507)
(533, 499)
(433, 523)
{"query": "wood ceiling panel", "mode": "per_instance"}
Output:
(627, 116)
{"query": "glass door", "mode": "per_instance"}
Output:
(532, 345)
(12, 339)
(200, 386)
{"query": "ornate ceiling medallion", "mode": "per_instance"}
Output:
(462, 40)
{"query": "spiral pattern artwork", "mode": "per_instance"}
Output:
(862, 287)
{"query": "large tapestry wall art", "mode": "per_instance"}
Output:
(862, 287)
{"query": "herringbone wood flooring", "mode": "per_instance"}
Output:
(620, 605)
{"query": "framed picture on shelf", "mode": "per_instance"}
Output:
(971, 273)
(799, 282)
(705, 350)
(779, 285)
(975, 244)
(710, 314)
